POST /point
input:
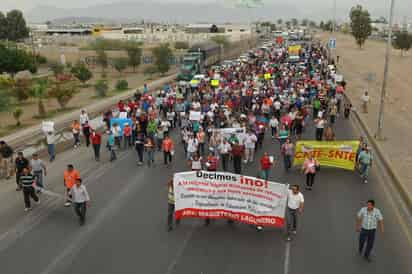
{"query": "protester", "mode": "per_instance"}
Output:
(51, 145)
(150, 150)
(171, 206)
(365, 102)
(238, 152)
(20, 164)
(250, 146)
(96, 139)
(265, 166)
(84, 117)
(139, 146)
(224, 152)
(70, 176)
(127, 135)
(168, 150)
(111, 146)
(364, 163)
(80, 200)
(287, 153)
(27, 182)
(87, 130)
(294, 208)
(309, 168)
(38, 169)
(320, 125)
(368, 219)
(6, 153)
(76, 133)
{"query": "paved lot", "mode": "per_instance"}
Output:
(126, 228)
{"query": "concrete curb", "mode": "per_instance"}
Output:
(403, 191)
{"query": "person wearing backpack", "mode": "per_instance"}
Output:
(6, 153)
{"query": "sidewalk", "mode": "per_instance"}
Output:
(355, 65)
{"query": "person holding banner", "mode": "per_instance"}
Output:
(309, 168)
(238, 152)
(294, 208)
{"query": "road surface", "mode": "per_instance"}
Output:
(126, 227)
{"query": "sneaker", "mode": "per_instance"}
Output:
(66, 204)
(27, 209)
(259, 228)
(288, 239)
(294, 232)
(365, 181)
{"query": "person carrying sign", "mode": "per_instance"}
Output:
(171, 206)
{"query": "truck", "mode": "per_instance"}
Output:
(199, 57)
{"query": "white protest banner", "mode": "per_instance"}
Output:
(227, 132)
(338, 78)
(47, 126)
(222, 195)
(195, 116)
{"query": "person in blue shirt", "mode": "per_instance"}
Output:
(111, 146)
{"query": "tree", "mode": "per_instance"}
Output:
(181, 45)
(134, 52)
(63, 91)
(279, 21)
(21, 89)
(3, 26)
(149, 71)
(120, 64)
(288, 23)
(322, 25)
(16, 26)
(122, 85)
(402, 41)
(6, 84)
(360, 23)
(13, 60)
(162, 55)
(99, 46)
(17, 113)
(81, 72)
(39, 91)
(305, 22)
(312, 24)
(101, 87)
(221, 40)
(295, 22)
(56, 68)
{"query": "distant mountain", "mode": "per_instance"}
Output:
(218, 12)
(167, 12)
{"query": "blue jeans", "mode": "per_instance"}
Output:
(150, 157)
(364, 171)
(366, 236)
(52, 152)
(287, 162)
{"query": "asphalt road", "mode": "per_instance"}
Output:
(126, 227)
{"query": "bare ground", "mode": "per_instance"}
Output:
(355, 64)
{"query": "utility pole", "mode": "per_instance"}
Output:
(379, 132)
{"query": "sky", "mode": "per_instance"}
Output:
(402, 6)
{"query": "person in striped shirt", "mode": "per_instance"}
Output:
(27, 181)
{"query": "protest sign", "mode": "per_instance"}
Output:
(121, 122)
(227, 132)
(195, 116)
(47, 126)
(340, 154)
(267, 76)
(214, 83)
(222, 195)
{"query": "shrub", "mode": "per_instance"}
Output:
(181, 45)
(122, 85)
(101, 87)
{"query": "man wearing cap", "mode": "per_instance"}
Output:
(38, 168)
(70, 176)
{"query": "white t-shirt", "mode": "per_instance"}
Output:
(192, 145)
(274, 122)
(294, 200)
(224, 148)
(250, 140)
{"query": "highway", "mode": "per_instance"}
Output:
(126, 226)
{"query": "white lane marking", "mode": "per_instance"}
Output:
(287, 258)
(66, 256)
(179, 254)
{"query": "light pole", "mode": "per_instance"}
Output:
(379, 132)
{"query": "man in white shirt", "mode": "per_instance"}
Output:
(294, 207)
(250, 143)
(192, 146)
(80, 200)
(84, 117)
(224, 150)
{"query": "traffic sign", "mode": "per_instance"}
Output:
(332, 43)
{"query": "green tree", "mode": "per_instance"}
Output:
(288, 24)
(312, 24)
(16, 26)
(39, 91)
(101, 87)
(181, 45)
(3, 26)
(294, 22)
(134, 52)
(6, 85)
(13, 60)
(149, 71)
(279, 21)
(304, 22)
(221, 40)
(100, 46)
(17, 113)
(322, 25)
(21, 90)
(402, 41)
(56, 68)
(81, 72)
(360, 23)
(63, 91)
(122, 85)
(120, 64)
(162, 55)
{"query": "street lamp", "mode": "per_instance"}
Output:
(379, 132)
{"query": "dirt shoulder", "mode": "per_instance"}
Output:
(355, 64)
